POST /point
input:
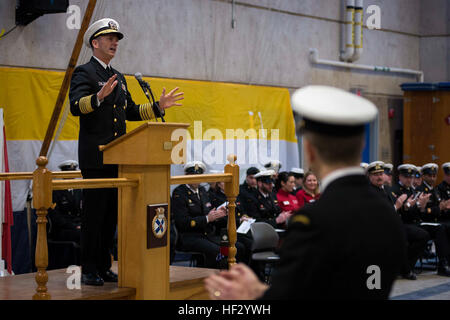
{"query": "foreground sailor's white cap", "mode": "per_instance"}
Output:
(273, 165)
(297, 170)
(194, 167)
(332, 111)
(101, 27)
(430, 168)
(375, 167)
(69, 164)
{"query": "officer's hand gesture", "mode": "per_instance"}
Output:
(423, 199)
(410, 202)
(400, 201)
(214, 214)
(170, 99)
(107, 88)
(444, 205)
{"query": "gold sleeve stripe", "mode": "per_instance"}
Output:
(146, 112)
(85, 105)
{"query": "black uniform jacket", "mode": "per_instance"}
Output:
(67, 212)
(190, 212)
(332, 246)
(444, 193)
(432, 211)
(409, 215)
(264, 209)
(101, 124)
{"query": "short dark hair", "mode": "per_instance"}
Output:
(337, 149)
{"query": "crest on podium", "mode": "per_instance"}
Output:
(157, 225)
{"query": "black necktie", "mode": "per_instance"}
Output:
(109, 70)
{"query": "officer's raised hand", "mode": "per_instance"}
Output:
(170, 99)
(107, 88)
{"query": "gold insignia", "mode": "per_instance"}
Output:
(301, 219)
(145, 111)
(159, 223)
(192, 223)
(112, 25)
(429, 210)
(426, 189)
(85, 105)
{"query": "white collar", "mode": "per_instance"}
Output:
(189, 187)
(265, 195)
(339, 174)
(102, 63)
(429, 187)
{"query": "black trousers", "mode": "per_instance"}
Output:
(441, 240)
(98, 222)
(210, 247)
(416, 239)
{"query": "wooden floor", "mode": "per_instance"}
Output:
(185, 283)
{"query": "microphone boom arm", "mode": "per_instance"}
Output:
(155, 105)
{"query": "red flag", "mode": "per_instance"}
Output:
(9, 220)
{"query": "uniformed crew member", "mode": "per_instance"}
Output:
(412, 216)
(218, 197)
(387, 176)
(247, 190)
(264, 207)
(331, 244)
(65, 216)
(196, 219)
(435, 205)
(375, 172)
(417, 178)
(444, 191)
(99, 96)
(416, 238)
(298, 174)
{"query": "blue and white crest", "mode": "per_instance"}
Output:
(159, 224)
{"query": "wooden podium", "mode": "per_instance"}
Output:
(146, 154)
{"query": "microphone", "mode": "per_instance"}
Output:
(145, 86)
(138, 77)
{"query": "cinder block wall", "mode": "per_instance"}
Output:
(193, 39)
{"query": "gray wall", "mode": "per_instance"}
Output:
(193, 39)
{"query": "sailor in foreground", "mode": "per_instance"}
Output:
(99, 96)
(333, 249)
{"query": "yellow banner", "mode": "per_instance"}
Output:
(28, 97)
